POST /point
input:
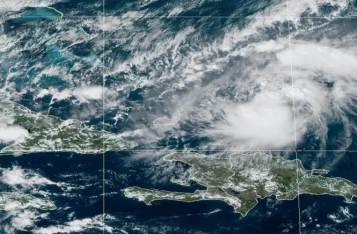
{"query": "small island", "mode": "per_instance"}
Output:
(240, 179)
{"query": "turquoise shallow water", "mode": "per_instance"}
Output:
(38, 14)
(46, 50)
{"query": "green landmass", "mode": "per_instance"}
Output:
(16, 200)
(241, 179)
(48, 133)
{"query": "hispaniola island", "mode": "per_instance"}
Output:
(171, 117)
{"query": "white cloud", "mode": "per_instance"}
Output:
(82, 94)
(85, 94)
(21, 211)
(296, 8)
(342, 215)
(10, 133)
(260, 114)
(27, 179)
(24, 219)
(334, 62)
(268, 101)
(118, 22)
(78, 225)
(16, 5)
(42, 93)
(176, 11)
(57, 96)
(265, 121)
(269, 46)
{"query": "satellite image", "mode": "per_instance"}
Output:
(178, 116)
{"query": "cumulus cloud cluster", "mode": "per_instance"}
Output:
(78, 225)
(17, 176)
(321, 91)
(283, 90)
(10, 132)
(273, 105)
(16, 5)
(266, 120)
(253, 87)
(82, 94)
(24, 216)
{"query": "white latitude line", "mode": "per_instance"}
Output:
(171, 150)
(187, 17)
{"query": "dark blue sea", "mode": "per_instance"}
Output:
(123, 169)
(189, 58)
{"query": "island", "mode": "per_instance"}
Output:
(241, 178)
(46, 133)
(17, 201)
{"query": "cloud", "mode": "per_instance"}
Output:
(17, 5)
(296, 8)
(324, 90)
(22, 215)
(342, 215)
(85, 94)
(334, 62)
(324, 83)
(265, 121)
(82, 94)
(10, 133)
(24, 219)
(252, 70)
(17, 176)
(78, 225)
(253, 107)
(119, 22)
(257, 110)
(176, 11)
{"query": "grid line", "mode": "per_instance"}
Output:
(191, 150)
(103, 113)
(293, 97)
(190, 17)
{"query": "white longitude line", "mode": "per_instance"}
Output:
(103, 113)
(293, 96)
(183, 17)
(188, 17)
